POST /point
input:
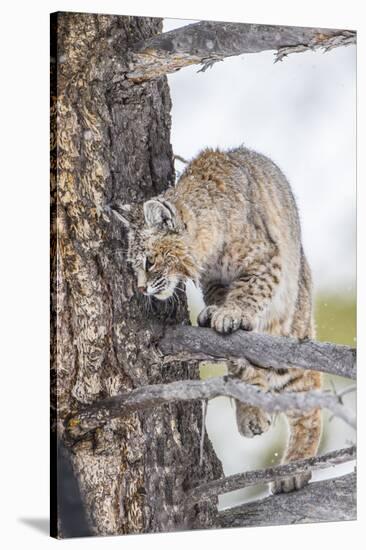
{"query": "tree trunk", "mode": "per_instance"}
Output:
(110, 139)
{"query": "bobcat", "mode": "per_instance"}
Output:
(231, 225)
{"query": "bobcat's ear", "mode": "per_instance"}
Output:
(160, 213)
(122, 212)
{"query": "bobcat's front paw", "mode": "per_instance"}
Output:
(226, 319)
(229, 319)
(291, 483)
(252, 421)
(204, 318)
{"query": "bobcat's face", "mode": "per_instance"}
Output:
(158, 252)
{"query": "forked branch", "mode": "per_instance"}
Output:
(103, 411)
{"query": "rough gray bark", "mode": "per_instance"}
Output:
(266, 475)
(261, 350)
(110, 139)
(147, 397)
(329, 500)
(208, 41)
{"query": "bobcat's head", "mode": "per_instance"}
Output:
(157, 247)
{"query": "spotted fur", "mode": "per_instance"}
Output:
(231, 224)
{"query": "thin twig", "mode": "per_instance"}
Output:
(181, 159)
(346, 391)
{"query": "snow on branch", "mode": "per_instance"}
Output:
(207, 42)
(257, 477)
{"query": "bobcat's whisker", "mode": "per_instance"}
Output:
(180, 289)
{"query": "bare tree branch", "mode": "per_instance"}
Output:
(100, 412)
(256, 477)
(208, 42)
(261, 350)
(181, 159)
(328, 500)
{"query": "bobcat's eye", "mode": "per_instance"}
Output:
(149, 262)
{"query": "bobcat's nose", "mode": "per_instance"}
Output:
(141, 289)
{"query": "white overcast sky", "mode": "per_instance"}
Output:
(302, 114)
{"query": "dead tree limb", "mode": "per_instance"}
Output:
(261, 350)
(208, 42)
(101, 412)
(257, 477)
(328, 500)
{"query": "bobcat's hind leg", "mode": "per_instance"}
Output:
(305, 432)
